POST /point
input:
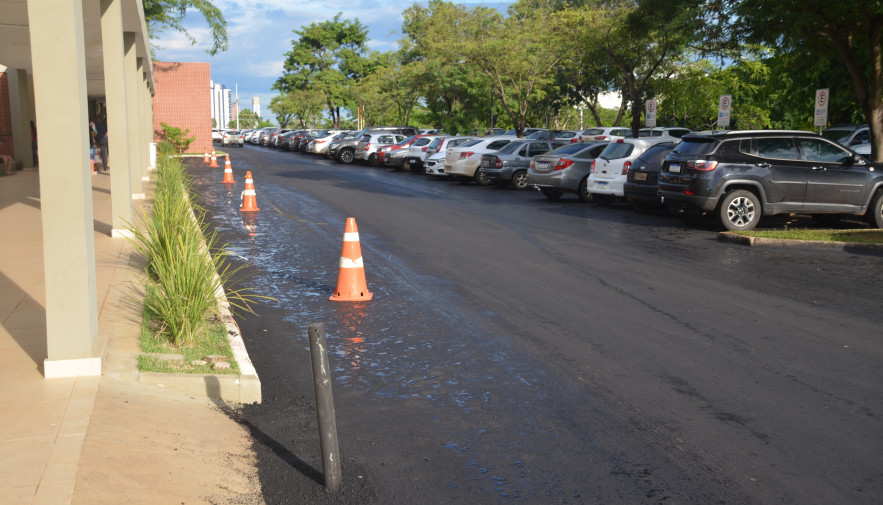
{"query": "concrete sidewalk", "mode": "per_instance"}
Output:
(108, 439)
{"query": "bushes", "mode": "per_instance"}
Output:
(186, 280)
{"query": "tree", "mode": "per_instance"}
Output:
(304, 107)
(326, 59)
(161, 15)
(517, 53)
(851, 29)
(249, 119)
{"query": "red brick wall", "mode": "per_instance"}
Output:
(183, 99)
(6, 143)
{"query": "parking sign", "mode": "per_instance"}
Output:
(821, 115)
(724, 105)
(650, 113)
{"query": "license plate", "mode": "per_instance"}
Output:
(486, 163)
(542, 165)
(412, 161)
(640, 176)
(674, 168)
(600, 184)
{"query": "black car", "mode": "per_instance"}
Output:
(640, 188)
(743, 175)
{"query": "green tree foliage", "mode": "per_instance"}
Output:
(249, 119)
(326, 59)
(299, 108)
(162, 15)
(176, 137)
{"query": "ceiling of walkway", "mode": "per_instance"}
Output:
(15, 42)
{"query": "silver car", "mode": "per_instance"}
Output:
(366, 149)
(564, 170)
(509, 164)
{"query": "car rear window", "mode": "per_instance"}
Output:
(471, 143)
(511, 148)
(594, 131)
(617, 150)
(653, 156)
(497, 144)
(569, 149)
(695, 146)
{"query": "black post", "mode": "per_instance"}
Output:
(324, 406)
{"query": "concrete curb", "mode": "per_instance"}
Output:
(726, 236)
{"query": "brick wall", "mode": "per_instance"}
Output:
(6, 143)
(183, 99)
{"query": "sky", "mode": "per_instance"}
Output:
(260, 32)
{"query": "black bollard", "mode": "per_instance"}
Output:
(324, 406)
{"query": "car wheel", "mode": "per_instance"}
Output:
(551, 194)
(519, 179)
(740, 210)
(372, 160)
(874, 213)
(346, 156)
(583, 191)
(604, 199)
(481, 178)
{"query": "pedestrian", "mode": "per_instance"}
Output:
(34, 143)
(101, 143)
(93, 154)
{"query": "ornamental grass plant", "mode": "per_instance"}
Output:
(185, 267)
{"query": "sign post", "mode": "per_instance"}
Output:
(821, 114)
(650, 113)
(724, 105)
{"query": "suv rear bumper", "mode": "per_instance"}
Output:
(678, 200)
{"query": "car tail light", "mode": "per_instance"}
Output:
(423, 149)
(625, 168)
(498, 163)
(702, 165)
(574, 140)
(563, 163)
(466, 154)
(533, 165)
(367, 146)
(619, 141)
(600, 137)
(593, 166)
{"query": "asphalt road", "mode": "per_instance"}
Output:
(519, 350)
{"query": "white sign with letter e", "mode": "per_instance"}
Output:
(650, 113)
(821, 114)
(723, 110)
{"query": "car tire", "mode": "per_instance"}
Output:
(481, 178)
(604, 199)
(519, 180)
(372, 160)
(874, 213)
(583, 190)
(739, 210)
(551, 194)
(346, 156)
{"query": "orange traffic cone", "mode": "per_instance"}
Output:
(205, 157)
(249, 202)
(351, 285)
(228, 172)
(214, 163)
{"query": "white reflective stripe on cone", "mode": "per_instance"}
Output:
(350, 237)
(348, 263)
(248, 192)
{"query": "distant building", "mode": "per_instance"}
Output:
(222, 112)
(256, 105)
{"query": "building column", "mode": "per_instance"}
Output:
(59, 66)
(117, 116)
(142, 118)
(20, 97)
(133, 110)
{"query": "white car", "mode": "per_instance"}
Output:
(417, 157)
(217, 135)
(435, 164)
(608, 133)
(462, 162)
(610, 169)
(663, 131)
(319, 145)
(366, 149)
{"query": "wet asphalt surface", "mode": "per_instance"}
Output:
(520, 350)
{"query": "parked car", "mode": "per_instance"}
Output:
(283, 140)
(510, 163)
(663, 131)
(564, 170)
(273, 137)
(640, 188)
(345, 149)
(527, 132)
(606, 133)
(416, 160)
(217, 135)
(610, 169)
(394, 156)
(435, 164)
(566, 137)
(319, 144)
(232, 137)
(366, 149)
(851, 136)
(743, 175)
(339, 140)
(462, 162)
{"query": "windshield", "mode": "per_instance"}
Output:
(511, 147)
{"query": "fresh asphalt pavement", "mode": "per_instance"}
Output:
(521, 350)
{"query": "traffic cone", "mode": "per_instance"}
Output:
(228, 172)
(351, 285)
(205, 157)
(214, 163)
(249, 202)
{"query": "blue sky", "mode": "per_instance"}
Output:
(260, 33)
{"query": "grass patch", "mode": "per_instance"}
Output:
(819, 235)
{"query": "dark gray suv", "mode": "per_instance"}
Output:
(743, 175)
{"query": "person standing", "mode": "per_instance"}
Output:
(101, 142)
